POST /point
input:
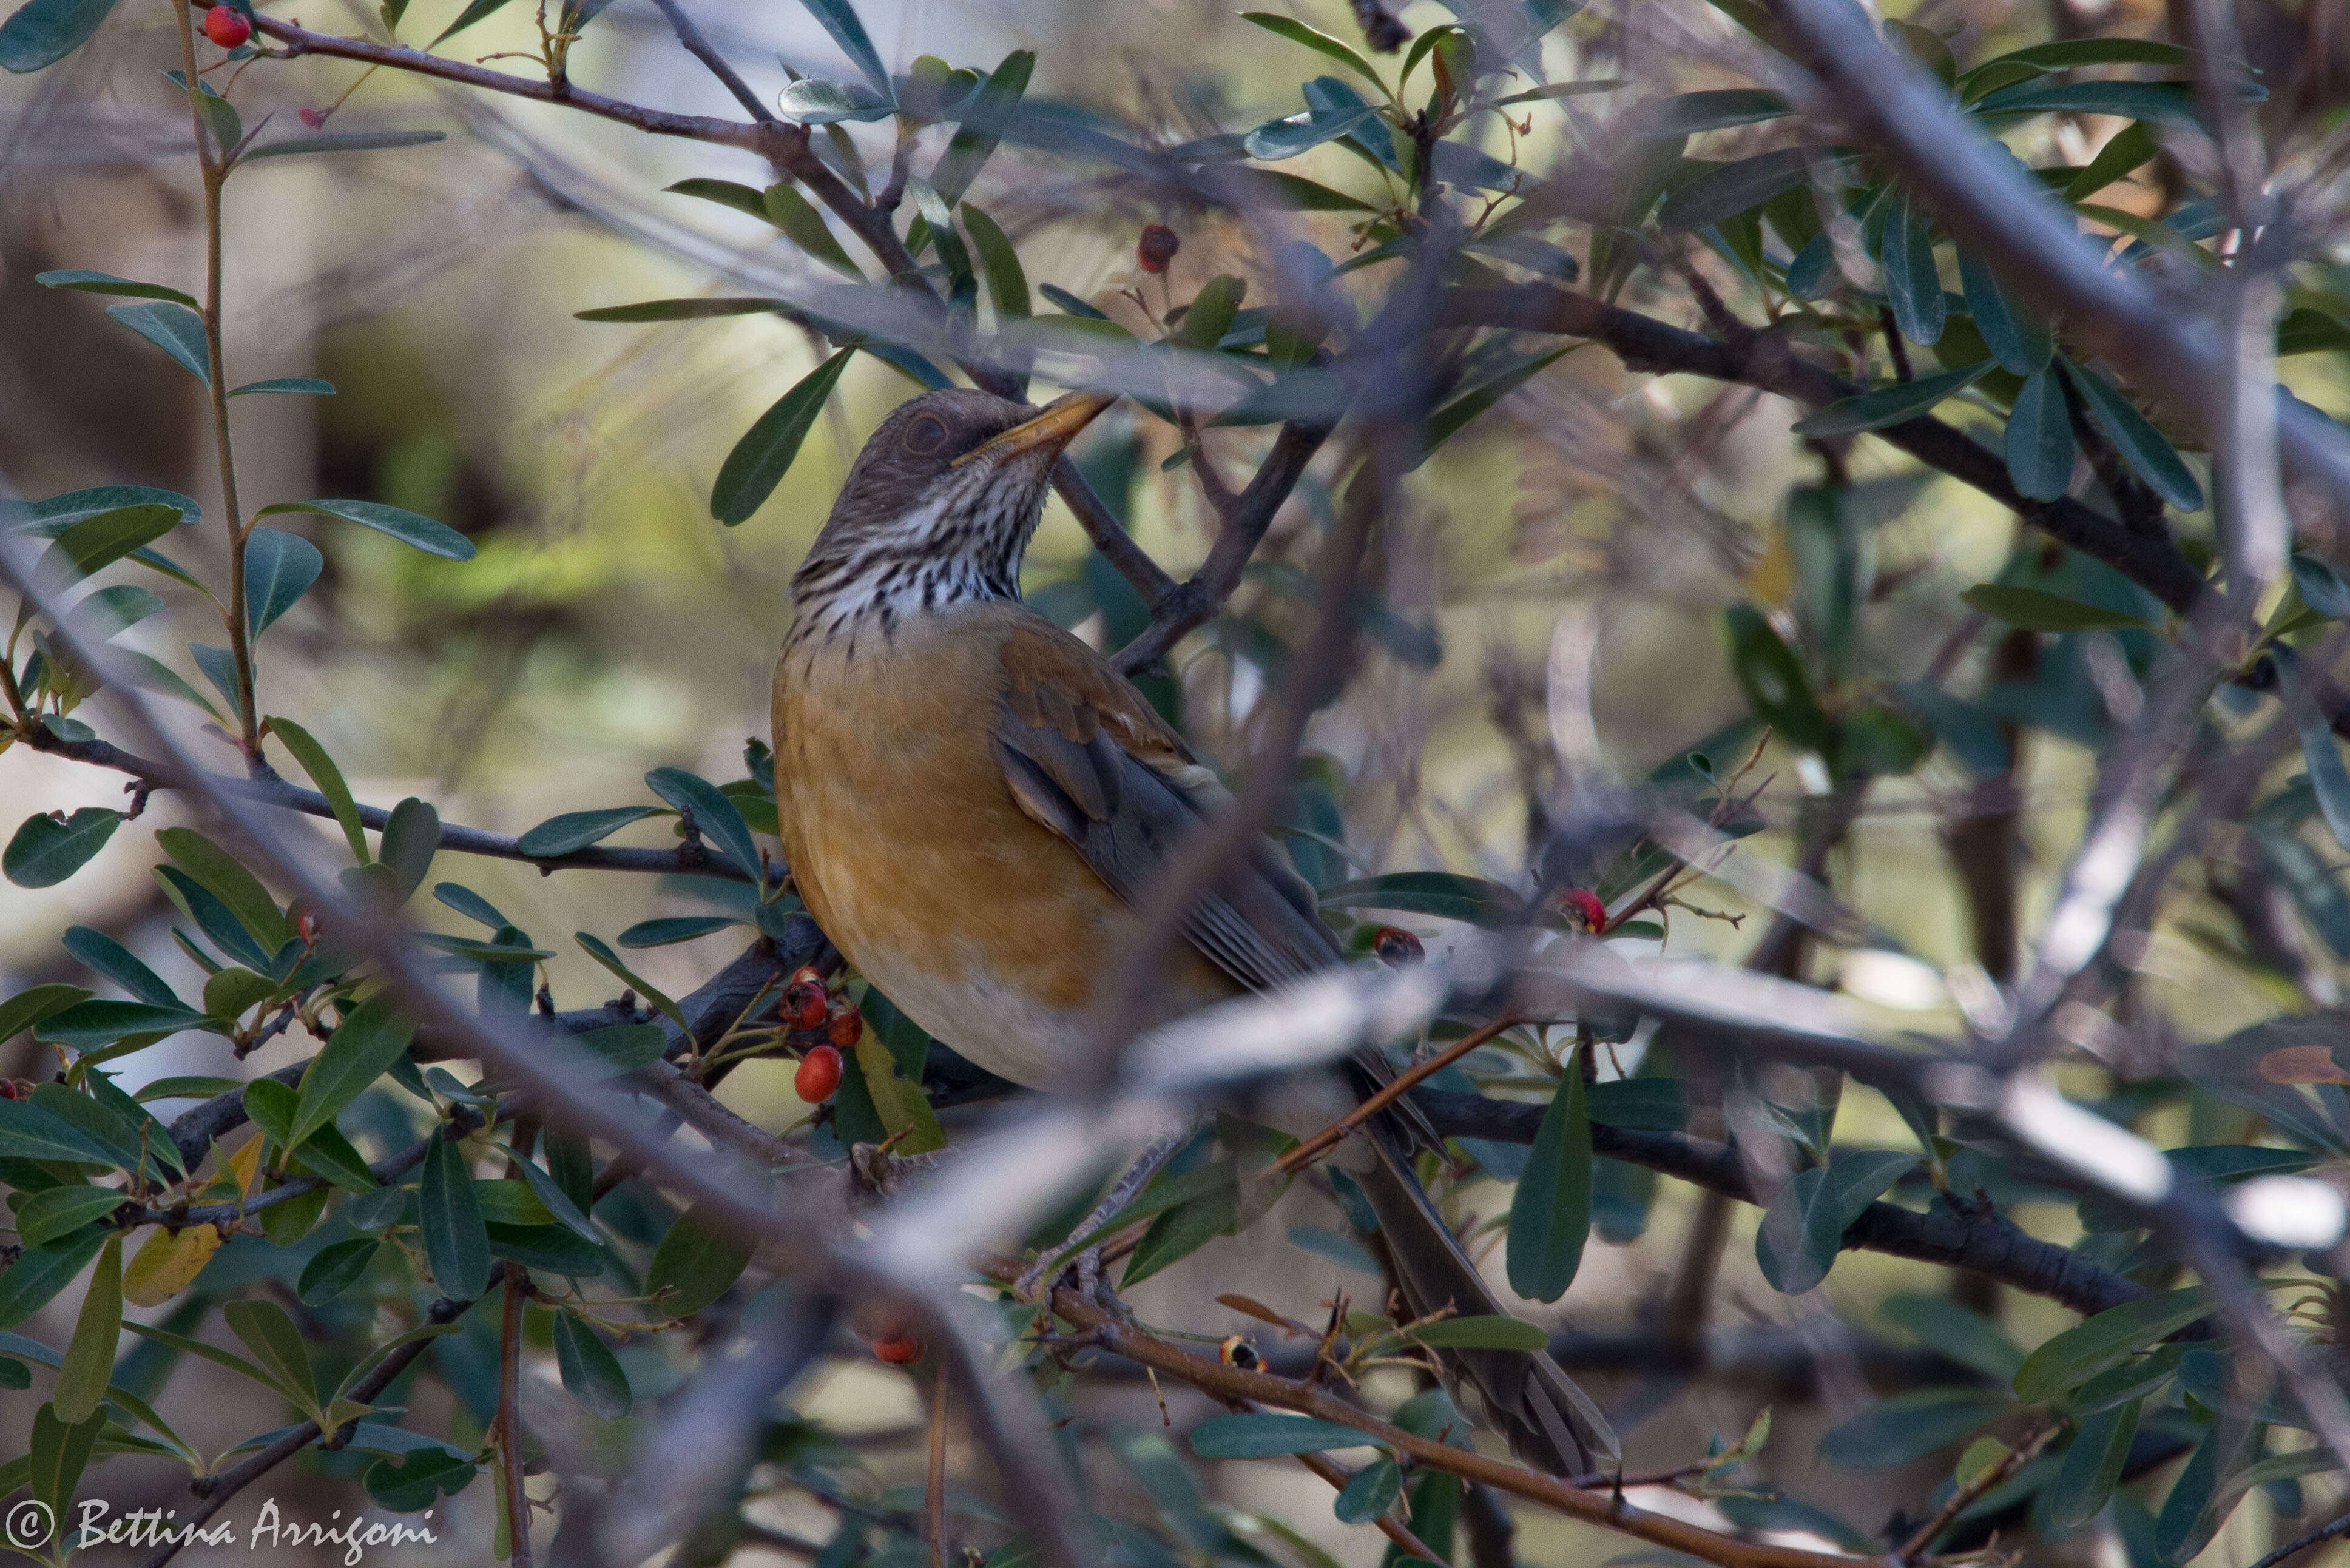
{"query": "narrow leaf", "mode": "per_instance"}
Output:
(759, 461)
(1889, 405)
(456, 1247)
(2039, 446)
(1550, 1216)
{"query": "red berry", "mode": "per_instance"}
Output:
(898, 1349)
(845, 1029)
(1397, 947)
(1157, 248)
(805, 1001)
(313, 118)
(9, 1091)
(227, 27)
(818, 1076)
(1584, 906)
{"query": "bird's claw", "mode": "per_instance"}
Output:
(1081, 1272)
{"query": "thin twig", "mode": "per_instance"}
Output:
(508, 1423)
(1322, 1142)
(701, 50)
(934, 1491)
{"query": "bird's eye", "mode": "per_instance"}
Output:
(926, 435)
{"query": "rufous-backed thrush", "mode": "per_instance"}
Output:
(973, 802)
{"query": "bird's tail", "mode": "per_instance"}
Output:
(1550, 1423)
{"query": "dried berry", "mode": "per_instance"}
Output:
(1157, 248)
(806, 1004)
(898, 1349)
(313, 118)
(1397, 947)
(845, 1029)
(1237, 1352)
(818, 1075)
(227, 27)
(1584, 905)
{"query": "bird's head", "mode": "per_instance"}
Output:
(939, 506)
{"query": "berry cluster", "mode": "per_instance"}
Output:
(809, 1005)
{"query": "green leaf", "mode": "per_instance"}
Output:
(2071, 1358)
(43, 32)
(1803, 1228)
(1284, 192)
(1443, 893)
(685, 309)
(2128, 151)
(327, 777)
(362, 1049)
(1693, 113)
(45, 851)
(1639, 1105)
(333, 1270)
(26, 1008)
(103, 538)
(419, 1480)
(1889, 405)
(1321, 43)
(470, 904)
(591, 1372)
(417, 532)
(1007, 283)
(716, 817)
(2039, 445)
(839, 19)
(1957, 1332)
(1772, 678)
(304, 386)
(1909, 1427)
(2036, 610)
(811, 102)
(1277, 140)
(1550, 1216)
(30, 1131)
(985, 117)
(698, 1260)
(659, 999)
(349, 142)
(805, 227)
(576, 830)
(13, 1375)
(2092, 1465)
(622, 1047)
(551, 1196)
(2018, 339)
(1730, 189)
(1913, 284)
(267, 1331)
(107, 283)
(61, 1210)
(1370, 1493)
(89, 1361)
(1264, 1434)
(412, 835)
(279, 568)
(1490, 1332)
(2142, 446)
(743, 199)
(759, 461)
(2166, 103)
(57, 1455)
(27, 1284)
(1557, 90)
(466, 19)
(552, 1248)
(2066, 53)
(1206, 1206)
(676, 929)
(211, 917)
(174, 328)
(105, 613)
(1455, 416)
(456, 1247)
(219, 873)
(152, 674)
(189, 1087)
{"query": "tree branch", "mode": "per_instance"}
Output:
(701, 50)
(270, 790)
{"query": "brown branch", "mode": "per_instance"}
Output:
(1322, 1142)
(508, 1423)
(2317, 1537)
(701, 50)
(214, 1492)
(1183, 607)
(1605, 1508)
(1337, 1476)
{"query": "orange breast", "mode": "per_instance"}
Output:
(907, 848)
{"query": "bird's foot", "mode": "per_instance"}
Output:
(1081, 1272)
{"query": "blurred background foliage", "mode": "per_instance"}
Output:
(1595, 517)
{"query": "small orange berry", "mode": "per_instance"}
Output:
(1237, 1352)
(898, 1349)
(845, 1029)
(227, 27)
(1397, 947)
(1157, 248)
(818, 1075)
(1584, 906)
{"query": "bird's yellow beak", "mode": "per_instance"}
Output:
(1050, 431)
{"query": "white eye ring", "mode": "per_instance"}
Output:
(925, 435)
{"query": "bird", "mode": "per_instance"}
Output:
(974, 803)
